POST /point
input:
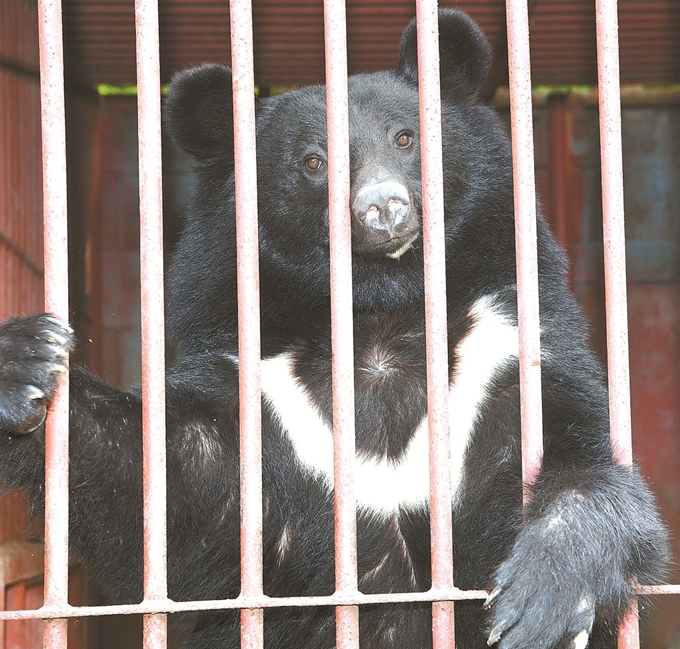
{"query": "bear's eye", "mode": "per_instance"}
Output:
(404, 140)
(314, 163)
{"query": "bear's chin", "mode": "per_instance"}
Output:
(403, 248)
(393, 248)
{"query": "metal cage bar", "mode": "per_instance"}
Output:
(248, 318)
(613, 228)
(342, 331)
(525, 239)
(273, 602)
(53, 117)
(436, 330)
(347, 598)
(153, 319)
(613, 231)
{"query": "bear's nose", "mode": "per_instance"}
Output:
(381, 206)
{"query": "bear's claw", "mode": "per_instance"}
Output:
(488, 602)
(34, 353)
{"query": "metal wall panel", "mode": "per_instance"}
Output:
(289, 38)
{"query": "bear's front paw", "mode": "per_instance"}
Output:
(537, 603)
(33, 354)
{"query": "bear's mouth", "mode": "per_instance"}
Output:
(404, 247)
(393, 247)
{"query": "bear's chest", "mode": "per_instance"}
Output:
(392, 459)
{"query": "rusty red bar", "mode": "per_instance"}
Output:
(56, 301)
(248, 318)
(613, 231)
(524, 185)
(153, 322)
(263, 601)
(155, 630)
(342, 333)
(616, 302)
(436, 332)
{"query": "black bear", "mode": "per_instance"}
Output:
(561, 574)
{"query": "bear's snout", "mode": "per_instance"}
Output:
(382, 206)
(383, 217)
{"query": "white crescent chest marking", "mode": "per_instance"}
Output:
(383, 485)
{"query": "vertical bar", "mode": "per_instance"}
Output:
(248, 317)
(335, 31)
(436, 330)
(155, 631)
(53, 118)
(3, 601)
(153, 320)
(524, 185)
(613, 229)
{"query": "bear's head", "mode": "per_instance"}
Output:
(386, 191)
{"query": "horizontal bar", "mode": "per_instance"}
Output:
(246, 602)
(338, 599)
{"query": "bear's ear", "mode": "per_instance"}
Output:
(464, 55)
(198, 112)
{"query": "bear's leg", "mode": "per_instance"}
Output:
(105, 471)
(591, 533)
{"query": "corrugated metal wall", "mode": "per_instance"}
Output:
(651, 149)
(289, 38)
(21, 280)
(21, 288)
(20, 166)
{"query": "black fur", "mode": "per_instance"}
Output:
(592, 528)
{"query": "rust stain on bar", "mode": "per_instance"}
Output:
(342, 333)
(248, 317)
(153, 328)
(525, 238)
(252, 629)
(616, 301)
(443, 625)
(347, 626)
(629, 631)
(155, 631)
(436, 332)
(55, 633)
(56, 301)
